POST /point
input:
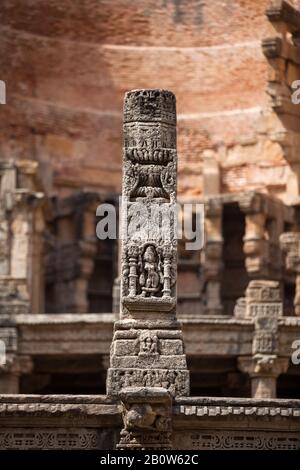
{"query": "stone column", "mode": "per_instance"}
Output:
(255, 241)
(211, 174)
(87, 245)
(263, 304)
(290, 244)
(147, 349)
(21, 240)
(213, 256)
(72, 252)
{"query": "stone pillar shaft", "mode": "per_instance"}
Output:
(263, 305)
(213, 254)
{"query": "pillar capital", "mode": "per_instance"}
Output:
(263, 365)
(263, 370)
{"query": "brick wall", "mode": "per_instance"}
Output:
(68, 63)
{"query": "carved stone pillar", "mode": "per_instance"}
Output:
(147, 349)
(71, 253)
(263, 304)
(21, 239)
(213, 255)
(290, 244)
(265, 218)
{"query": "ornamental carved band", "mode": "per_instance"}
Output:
(147, 349)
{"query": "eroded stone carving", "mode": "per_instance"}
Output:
(148, 344)
(147, 418)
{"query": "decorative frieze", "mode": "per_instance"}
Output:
(50, 439)
(208, 439)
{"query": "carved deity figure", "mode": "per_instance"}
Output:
(151, 276)
(148, 344)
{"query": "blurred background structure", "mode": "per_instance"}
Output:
(67, 65)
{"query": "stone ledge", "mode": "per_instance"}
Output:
(63, 318)
(232, 401)
(109, 318)
(216, 320)
(68, 411)
(58, 399)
